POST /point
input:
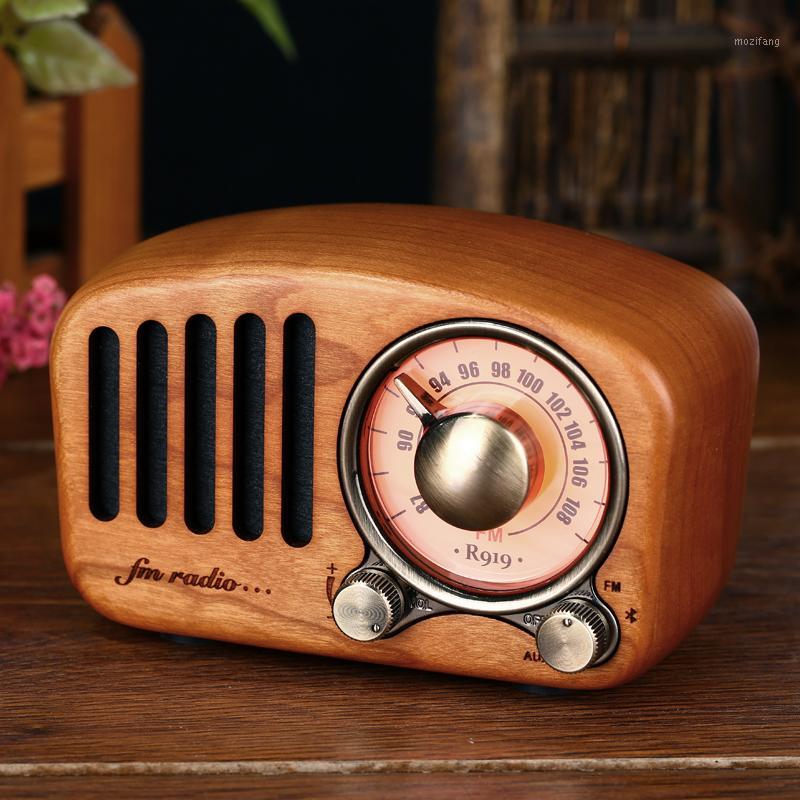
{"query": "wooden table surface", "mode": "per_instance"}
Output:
(88, 707)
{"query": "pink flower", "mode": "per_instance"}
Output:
(44, 284)
(41, 324)
(28, 351)
(43, 296)
(8, 302)
(27, 323)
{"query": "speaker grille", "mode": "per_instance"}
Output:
(200, 423)
(297, 474)
(104, 423)
(247, 405)
(151, 424)
(249, 344)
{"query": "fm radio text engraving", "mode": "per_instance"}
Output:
(215, 579)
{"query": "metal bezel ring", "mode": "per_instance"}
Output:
(368, 526)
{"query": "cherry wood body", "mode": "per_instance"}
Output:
(673, 351)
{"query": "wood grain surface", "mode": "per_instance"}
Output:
(89, 707)
(758, 783)
(472, 118)
(44, 143)
(90, 143)
(103, 158)
(673, 351)
(12, 168)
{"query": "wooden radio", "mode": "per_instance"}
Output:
(434, 438)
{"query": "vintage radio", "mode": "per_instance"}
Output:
(426, 437)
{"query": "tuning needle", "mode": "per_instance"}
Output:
(421, 403)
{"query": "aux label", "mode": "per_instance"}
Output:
(532, 655)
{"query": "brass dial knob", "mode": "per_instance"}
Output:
(573, 636)
(368, 605)
(472, 471)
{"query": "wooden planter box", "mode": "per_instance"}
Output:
(91, 146)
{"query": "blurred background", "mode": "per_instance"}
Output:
(667, 123)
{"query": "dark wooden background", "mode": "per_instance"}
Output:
(88, 707)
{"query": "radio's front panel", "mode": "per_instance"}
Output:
(421, 437)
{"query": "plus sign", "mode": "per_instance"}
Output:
(332, 568)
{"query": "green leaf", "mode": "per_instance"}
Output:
(269, 15)
(60, 57)
(38, 10)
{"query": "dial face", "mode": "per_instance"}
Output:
(484, 381)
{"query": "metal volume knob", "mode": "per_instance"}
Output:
(368, 605)
(573, 636)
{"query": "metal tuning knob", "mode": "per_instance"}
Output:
(573, 636)
(368, 605)
(472, 471)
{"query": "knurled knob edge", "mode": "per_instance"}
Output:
(379, 581)
(592, 617)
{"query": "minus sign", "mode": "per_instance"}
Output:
(377, 430)
(398, 514)
(376, 474)
(391, 392)
(581, 538)
(419, 363)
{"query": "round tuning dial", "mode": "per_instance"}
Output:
(368, 605)
(573, 636)
(482, 466)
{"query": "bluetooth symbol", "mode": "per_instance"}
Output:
(631, 613)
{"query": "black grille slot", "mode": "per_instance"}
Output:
(200, 423)
(104, 423)
(249, 342)
(151, 423)
(299, 345)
